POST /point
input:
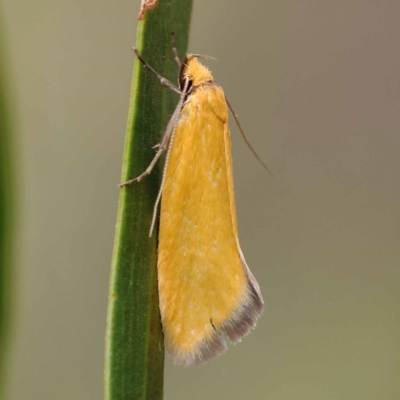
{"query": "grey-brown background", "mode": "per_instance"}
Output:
(317, 87)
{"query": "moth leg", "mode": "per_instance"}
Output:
(161, 146)
(175, 50)
(146, 172)
(165, 82)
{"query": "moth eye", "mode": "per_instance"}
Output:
(190, 83)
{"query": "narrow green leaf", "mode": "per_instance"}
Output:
(134, 359)
(6, 217)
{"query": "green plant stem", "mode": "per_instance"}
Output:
(134, 358)
(6, 215)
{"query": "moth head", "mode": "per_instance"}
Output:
(194, 71)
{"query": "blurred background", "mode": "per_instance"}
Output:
(317, 89)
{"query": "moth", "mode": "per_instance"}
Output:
(207, 293)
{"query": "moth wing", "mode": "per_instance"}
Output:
(206, 290)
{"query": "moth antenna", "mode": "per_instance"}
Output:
(204, 57)
(175, 50)
(247, 141)
(171, 141)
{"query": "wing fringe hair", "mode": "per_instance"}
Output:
(242, 321)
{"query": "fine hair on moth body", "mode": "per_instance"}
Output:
(208, 294)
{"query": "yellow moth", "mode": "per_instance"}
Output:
(207, 292)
